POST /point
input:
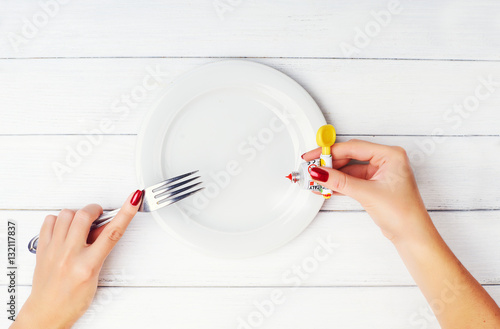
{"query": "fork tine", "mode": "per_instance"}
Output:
(166, 182)
(173, 187)
(169, 193)
(167, 201)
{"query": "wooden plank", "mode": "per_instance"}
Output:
(449, 178)
(322, 308)
(370, 97)
(440, 30)
(358, 255)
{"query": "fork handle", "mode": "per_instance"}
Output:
(105, 218)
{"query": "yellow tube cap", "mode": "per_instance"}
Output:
(325, 138)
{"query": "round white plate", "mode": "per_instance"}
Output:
(244, 126)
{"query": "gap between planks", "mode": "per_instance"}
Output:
(259, 57)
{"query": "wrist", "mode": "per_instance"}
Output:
(33, 317)
(418, 230)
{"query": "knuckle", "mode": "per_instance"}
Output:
(95, 206)
(115, 234)
(84, 214)
(67, 213)
(400, 152)
(399, 149)
(84, 272)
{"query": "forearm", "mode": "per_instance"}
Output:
(457, 299)
(34, 316)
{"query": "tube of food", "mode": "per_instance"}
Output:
(303, 177)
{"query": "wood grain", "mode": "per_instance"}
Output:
(67, 83)
(359, 255)
(448, 29)
(370, 97)
(449, 178)
(322, 308)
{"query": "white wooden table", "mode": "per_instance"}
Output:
(399, 73)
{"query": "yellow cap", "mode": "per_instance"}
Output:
(325, 138)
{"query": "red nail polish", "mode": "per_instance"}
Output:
(319, 174)
(136, 198)
(302, 156)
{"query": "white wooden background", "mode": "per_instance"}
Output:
(63, 67)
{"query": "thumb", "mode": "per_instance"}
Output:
(340, 182)
(115, 229)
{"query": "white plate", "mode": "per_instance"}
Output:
(244, 126)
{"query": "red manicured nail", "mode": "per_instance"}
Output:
(319, 174)
(136, 198)
(302, 156)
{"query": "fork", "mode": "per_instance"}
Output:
(154, 197)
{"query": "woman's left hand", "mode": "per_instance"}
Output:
(68, 262)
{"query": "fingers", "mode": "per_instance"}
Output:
(353, 149)
(340, 182)
(46, 232)
(362, 171)
(314, 154)
(116, 228)
(311, 155)
(339, 163)
(358, 149)
(61, 227)
(80, 226)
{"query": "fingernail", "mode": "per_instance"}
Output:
(302, 156)
(319, 174)
(136, 198)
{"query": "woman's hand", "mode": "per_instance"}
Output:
(385, 186)
(68, 262)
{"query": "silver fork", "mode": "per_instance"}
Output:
(154, 197)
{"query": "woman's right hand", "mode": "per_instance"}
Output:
(385, 186)
(387, 189)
